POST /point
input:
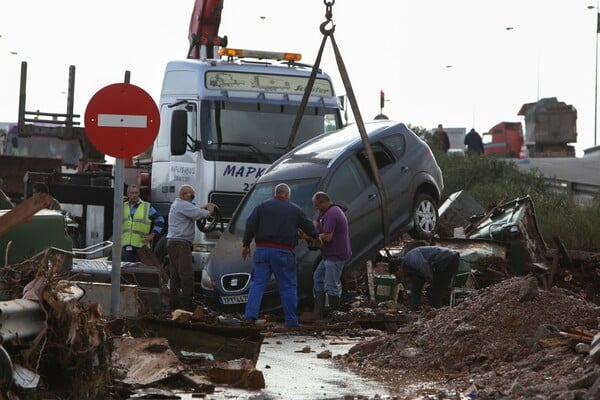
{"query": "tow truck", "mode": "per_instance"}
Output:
(225, 115)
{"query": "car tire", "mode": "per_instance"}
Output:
(425, 217)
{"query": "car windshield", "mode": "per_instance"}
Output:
(258, 132)
(302, 192)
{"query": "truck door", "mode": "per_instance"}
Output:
(172, 162)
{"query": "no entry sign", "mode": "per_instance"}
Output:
(121, 120)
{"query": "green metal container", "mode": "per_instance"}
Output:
(384, 285)
(45, 229)
(514, 224)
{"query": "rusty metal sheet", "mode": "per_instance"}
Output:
(144, 361)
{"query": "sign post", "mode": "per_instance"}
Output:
(122, 121)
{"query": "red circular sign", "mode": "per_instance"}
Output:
(122, 120)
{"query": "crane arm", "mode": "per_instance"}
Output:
(204, 28)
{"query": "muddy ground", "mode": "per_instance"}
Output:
(506, 342)
(511, 340)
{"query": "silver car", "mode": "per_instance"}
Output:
(336, 163)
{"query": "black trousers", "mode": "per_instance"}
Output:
(439, 286)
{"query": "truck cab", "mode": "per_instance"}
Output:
(503, 140)
(224, 121)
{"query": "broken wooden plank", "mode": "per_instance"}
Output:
(239, 373)
(370, 280)
(578, 336)
(563, 252)
(553, 269)
(553, 342)
(147, 257)
(23, 211)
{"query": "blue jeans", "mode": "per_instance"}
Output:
(326, 277)
(282, 264)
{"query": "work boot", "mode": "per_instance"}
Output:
(334, 303)
(317, 313)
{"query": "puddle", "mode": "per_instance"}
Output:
(293, 375)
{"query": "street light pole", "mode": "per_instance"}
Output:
(596, 80)
(596, 70)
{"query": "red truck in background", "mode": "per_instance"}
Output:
(503, 140)
(550, 128)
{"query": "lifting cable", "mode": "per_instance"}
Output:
(328, 32)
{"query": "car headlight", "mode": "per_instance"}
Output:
(203, 248)
(206, 281)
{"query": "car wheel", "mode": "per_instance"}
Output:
(425, 217)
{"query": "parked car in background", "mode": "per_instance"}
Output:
(336, 163)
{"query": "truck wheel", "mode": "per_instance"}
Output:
(425, 217)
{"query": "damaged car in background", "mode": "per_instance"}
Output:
(336, 163)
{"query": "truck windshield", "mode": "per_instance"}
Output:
(258, 132)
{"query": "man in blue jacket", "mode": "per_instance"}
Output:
(432, 264)
(274, 225)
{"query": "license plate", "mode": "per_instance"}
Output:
(243, 298)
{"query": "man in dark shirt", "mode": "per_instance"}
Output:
(274, 226)
(432, 264)
(473, 142)
(442, 138)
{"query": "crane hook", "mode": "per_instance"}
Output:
(328, 14)
(325, 31)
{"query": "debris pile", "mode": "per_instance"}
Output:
(510, 339)
(59, 341)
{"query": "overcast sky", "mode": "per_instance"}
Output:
(438, 61)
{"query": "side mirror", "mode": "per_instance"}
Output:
(179, 125)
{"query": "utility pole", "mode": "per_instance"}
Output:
(596, 70)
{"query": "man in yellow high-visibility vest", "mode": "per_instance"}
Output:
(141, 223)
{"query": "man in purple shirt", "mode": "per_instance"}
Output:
(332, 225)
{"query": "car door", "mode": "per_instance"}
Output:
(397, 180)
(395, 177)
(350, 187)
